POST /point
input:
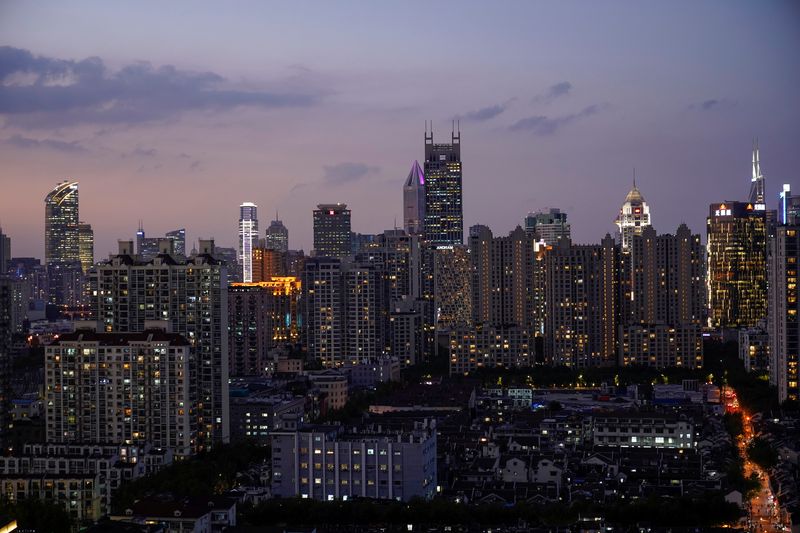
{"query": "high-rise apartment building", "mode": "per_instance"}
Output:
(502, 277)
(121, 388)
(267, 262)
(323, 309)
(248, 238)
(581, 301)
(548, 226)
(277, 236)
(414, 201)
(487, 346)
(444, 214)
(190, 294)
(61, 241)
(634, 216)
(261, 316)
(452, 294)
(737, 265)
(332, 235)
(85, 246)
(783, 323)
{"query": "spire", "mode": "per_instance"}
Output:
(757, 185)
(634, 177)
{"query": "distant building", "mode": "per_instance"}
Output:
(248, 238)
(178, 237)
(405, 327)
(754, 349)
(332, 234)
(5, 252)
(414, 201)
(452, 288)
(634, 216)
(486, 346)
(334, 385)
(444, 213)
(325, 463)
(257, 416)
(267, 263)
(85, 246)
(61, 237)
(147, 247)
(626, 428)
(548, 226)
(277, 236)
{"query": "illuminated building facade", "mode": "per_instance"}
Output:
(121, 388)
(581, 303)
(332, 236)
(191, 295)
(323, 309)
(261, 316)
(754, 346)
(147, 247)
(487, 346)
(178, 236)
(248, 238)
(783, 323)
(634, 216)
(444, 214)
(453, 290)
(267, 263)
(737, 265)
(5, 252)
(61, 241)
(414, 201)
(85, 246)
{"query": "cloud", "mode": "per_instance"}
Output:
(347, 172)
(144, 152)
(544, 126)
(562, 88)
(40, 91)
(18, 141)
(713, 104)
(485, 113)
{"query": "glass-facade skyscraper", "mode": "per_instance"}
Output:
(61, 240)
(332, 236)
(277, 237)
(444, 213)
(248, 238)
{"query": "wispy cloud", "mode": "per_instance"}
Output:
(347, 172)
(39, 91)
(562, 88)
(27, 143)
(485, 113)
(713, 104)
(544, 125)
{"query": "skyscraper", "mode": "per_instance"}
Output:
(277, 236)
(5, 251)
(757, 182)
(634, 216)
(248, 237)
(179, 238)
(61, 241)
(414, 201)
(737, 265)
(85, 246)
(332, 234)
(191, 295)
(444, 214)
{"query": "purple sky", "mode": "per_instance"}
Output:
(177, 112)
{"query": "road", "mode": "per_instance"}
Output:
(764, 512)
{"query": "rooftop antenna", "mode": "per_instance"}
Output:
(634, 177)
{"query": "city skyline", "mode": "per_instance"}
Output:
(545, 122)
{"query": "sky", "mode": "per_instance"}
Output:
(174, 113)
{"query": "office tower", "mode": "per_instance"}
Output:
(277, 236)
(261, 316)
(502, 277)
(121, 388)
(737, 265)
(757, 182)
(248, 238)
(452, 288)
(634, 216)
(267, 262)
(443, 212)
(191, 295)
(662, 299)
(332, 237)
(61, 242)
(179, 238)
(414, 201)
(322, 309)
(85, 246)
(362, 242)
(5, 251)
(581, 303)
(548, 226)
(782, 325)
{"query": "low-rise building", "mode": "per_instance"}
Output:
(333, 384)
(256, 416)
(642, 429)
(327, 463)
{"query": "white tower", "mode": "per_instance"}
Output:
(248, 235)
(633, 217)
